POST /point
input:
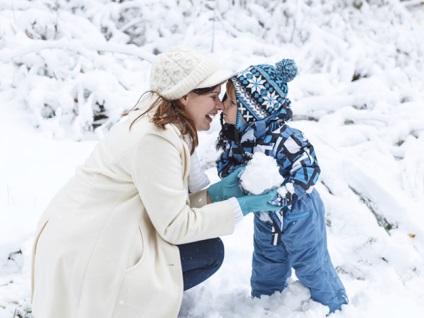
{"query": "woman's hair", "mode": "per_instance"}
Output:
(173, 112)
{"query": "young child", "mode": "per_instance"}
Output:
(256, 109)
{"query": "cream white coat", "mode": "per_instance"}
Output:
(106, 244)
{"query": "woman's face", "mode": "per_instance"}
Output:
(230, 105)
(202, 107)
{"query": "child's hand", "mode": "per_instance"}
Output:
(282, 201)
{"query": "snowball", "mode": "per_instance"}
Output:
(261, 174)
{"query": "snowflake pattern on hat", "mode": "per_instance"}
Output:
(262, 89)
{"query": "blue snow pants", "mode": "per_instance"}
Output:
(303, 247)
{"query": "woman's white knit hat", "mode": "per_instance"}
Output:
(178, 71)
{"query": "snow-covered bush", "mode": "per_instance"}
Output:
(61, 48)
(75, 65)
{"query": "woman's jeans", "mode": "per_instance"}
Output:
(200, 260)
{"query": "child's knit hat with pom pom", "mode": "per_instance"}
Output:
(261, 90)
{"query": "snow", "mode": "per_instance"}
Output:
(70, 68)
(261, 174)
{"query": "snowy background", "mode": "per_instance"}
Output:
(69, 68)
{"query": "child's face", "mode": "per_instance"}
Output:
(230, 105)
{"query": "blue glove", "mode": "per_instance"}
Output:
(227, 188)
(258, 203)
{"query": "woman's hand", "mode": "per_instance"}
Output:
(258, 203)
(227, 188)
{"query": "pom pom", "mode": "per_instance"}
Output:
(287, 69)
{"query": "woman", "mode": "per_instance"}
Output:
(123, 238)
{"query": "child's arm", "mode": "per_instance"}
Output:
(298, 163)
(226, 163)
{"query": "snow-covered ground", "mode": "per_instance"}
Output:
(359, 98)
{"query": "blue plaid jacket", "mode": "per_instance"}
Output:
(294, 154)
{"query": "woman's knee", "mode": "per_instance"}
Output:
(217, 251)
